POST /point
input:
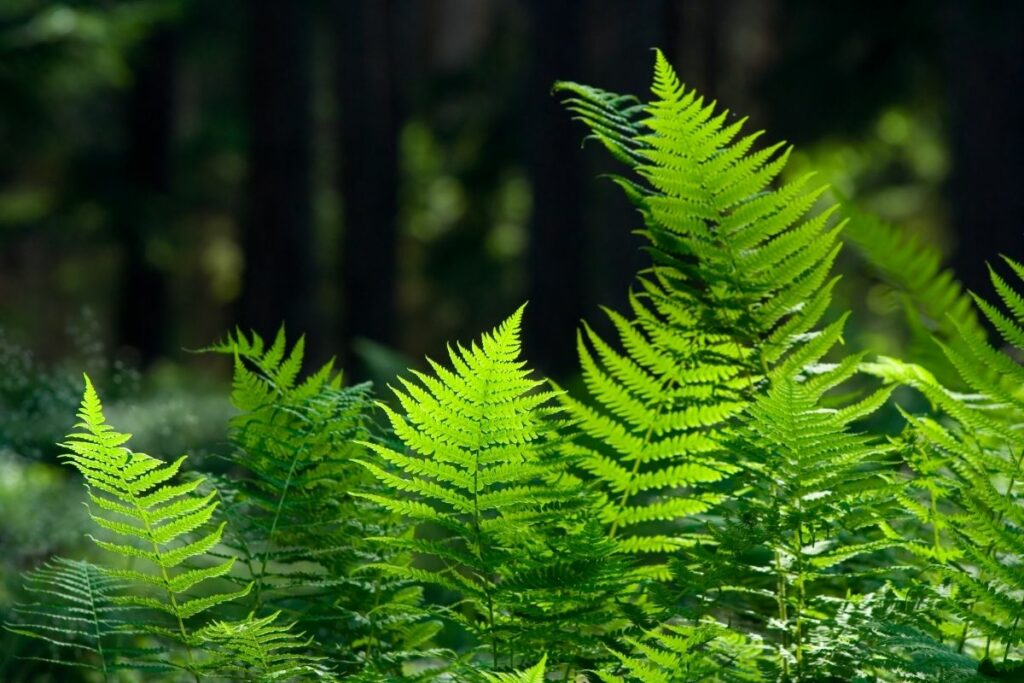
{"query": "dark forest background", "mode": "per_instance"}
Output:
(385, 175)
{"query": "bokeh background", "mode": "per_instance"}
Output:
(387, 175)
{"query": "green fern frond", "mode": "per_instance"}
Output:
(535, 674)
(679, 653)
(164, 527)
(259, 649)
(934, 301)
(77, 611)
(914, 269)
(973, 462)
(500, 520)
(299, 532)
(739, 283)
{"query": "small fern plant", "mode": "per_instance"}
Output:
(300, 533)
(161, 565)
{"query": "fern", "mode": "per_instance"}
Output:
(678, 653)
(535, 674)
(882, 636)
(77, 611)
(133, 501)
(300, 533)
(815, 497)
(933, 300)
(915, 269)
(500, 523)
(738, 284)
(260, 649)
(973, 462)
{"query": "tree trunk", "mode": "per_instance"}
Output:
(986, 75)
(145, 214)
(367, 97)
(556, 252)
(278, 240)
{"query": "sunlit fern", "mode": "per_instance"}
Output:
(500, 523)
(740, 279)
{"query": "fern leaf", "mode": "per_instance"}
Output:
(535, 674)
(679, 653)
(299, 532)
(259, 649)
(501, 523)
(739, 283)
(124, 488)
(75, 612)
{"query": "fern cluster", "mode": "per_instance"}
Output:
(712, 502)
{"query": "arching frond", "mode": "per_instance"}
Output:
(739, 283)
(77, 611)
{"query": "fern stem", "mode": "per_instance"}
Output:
(659, 406)
(479, 548)
(167, 585)
(96, 626)
(257, 600)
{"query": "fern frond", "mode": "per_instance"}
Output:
(259, 649)
(972, 463)
(299, 532)
(132, 498)
(77, 612)
(535, 674)
(739, 283)
(914, 269)
(500, 522)
(680, 653)
(161, 530)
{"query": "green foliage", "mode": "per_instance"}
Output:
(915, 270)
(678, 653)
(813, 496)
(259, 649)
(534, 674)
(75, 609)
(969, 464)
(933, 300)
(501, 522)
(717, 505)
(298, 530)
(135, 502)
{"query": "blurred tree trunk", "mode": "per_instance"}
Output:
(986, 90)
(144, 216)
(278, 239)
(621, 61)
(556, 253)
(367, 97)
